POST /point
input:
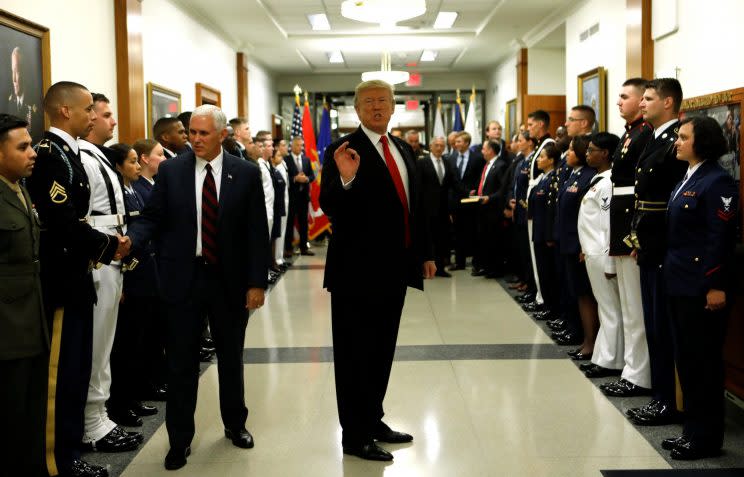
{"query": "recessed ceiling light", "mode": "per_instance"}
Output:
(335, 57)
(319, 21)
(445, 20)
(429, 55)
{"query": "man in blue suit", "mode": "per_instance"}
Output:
(208, 220)
(300, 175)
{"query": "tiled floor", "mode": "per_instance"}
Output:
(502, 410)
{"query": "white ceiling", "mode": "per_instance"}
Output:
(278, 34)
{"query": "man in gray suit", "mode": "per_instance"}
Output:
(24, 340)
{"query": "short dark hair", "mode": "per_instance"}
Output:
(540, 115)
(121, 151)
(709, 142)
(667, 87)
(494, 146)
(606, 141)
(261, 135)
(163, 125)
(185, 118)
(235, 122)
(580, 143)
(58, 93)
(8, 122)
(552, 152)
(639, 83)
(100, 97)
(587, 111)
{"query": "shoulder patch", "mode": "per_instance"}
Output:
(57, 193)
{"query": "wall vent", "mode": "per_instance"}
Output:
(591, 31)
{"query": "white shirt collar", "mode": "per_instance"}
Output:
(67, 138)
(373, 136)
(691, 170)
(664, 127)
(151, 181)
(216, 163)
(89, 146)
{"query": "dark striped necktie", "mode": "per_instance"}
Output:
(210, 210)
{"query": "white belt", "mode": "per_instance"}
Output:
(114, 220)
(627, 190)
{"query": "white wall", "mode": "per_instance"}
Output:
(82, 40)
(262, 96)
(319, 83)
(605, 48)
(180, 52)
(705, 48)
(502, 87)
(546, 71)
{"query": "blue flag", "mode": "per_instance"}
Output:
(324, 135)
(458, 117)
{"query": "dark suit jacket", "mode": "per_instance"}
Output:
(23, 331)
(470, 179)
(435, 196)
(493, 184)
(170, 219)
(367, 253)
(144, 189)
(297, 189)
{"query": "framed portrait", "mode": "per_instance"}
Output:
(208, 95)
(593, 92)
(25, 72)
(161, 103)
(510, 118)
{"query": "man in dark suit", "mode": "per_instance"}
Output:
(494, 132)
(208, 220)
(436, 177)
(468, 167)
(369, 192)
(489, 258)
(20, 102)
(300, 175)
(24, 340)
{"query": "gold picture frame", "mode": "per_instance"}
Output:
(208, 95)
(592, 91)
(161, 102)
(510, 119)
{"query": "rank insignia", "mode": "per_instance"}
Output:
(45, 144)
(626, 145)
(726, 203)
(57, 193)
(605, 204)
(689, 193)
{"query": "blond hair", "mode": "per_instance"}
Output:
(373, 84)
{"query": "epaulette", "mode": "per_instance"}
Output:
(47, 144)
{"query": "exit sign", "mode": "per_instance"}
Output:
(412, 105)
(414, 79)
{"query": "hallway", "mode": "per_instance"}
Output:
(481, 387)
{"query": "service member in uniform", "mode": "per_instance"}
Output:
(657, 173)
(171, 133)
(24, 340)
(518, 206)
(106, 214)
(413, 139)
(69, 249)
(698, 275)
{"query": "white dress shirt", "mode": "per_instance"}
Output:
(397, 156)
(658, 131)
(200, 173)
(268, 188)
(438, 166)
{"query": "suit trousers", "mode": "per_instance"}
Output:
(524, 253)
(567, 298)
(609, 346)
(698, 348)
(637, 368)
(658, 333)
(466, 228)
(545, 265)
(22, 413)
(365, 330)
(298, 207)
(533, 261)
(227, 321)
(70, 362)
(441, 237)
(108, 281)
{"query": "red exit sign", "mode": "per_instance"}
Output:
(412, 105)
(414, 79)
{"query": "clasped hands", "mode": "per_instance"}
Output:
(301, 178)
(124, 248)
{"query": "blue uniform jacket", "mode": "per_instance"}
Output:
(701, 221)
(144, 189)
(538, 208)
(521, 183)
(569, 201)
(143, 279)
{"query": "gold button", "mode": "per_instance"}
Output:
(697, 259)
(639, 169)
(636, 182)
(687, 206)
(627, 210)
(651, 170)
(636, 195)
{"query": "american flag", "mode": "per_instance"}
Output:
(296, 119)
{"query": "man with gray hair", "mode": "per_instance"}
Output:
(371, 172)
(437, 175)
(207, 218)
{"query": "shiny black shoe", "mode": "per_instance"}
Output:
(587, 366)
(176, 458)
(566, 338)
(207, 342)
(205, 356)
(624, 388)
(80, 468)
(533, 307)
(601, 372)
(650, 406)
(158, 393)
(120, 432)
(526, 298)
(544, 315)
(556, 325)
(661, 416)
(369, 452)
(689, 450)
(581, 356)
(125, 417)
(141, 409)
(573, 352)
(383, 433)
(112, 442)
(240, 438)
(672, 442)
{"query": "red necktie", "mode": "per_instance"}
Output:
(395, 174)
(483, 179)
(210, 208)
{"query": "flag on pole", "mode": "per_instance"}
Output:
(324, 135)
(438, 124)
(317, 222)
(457, 122)
(470, 122)
(296, 130)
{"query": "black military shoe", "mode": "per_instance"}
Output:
(80, 468)
(176, 458)
(650, 406)
(240, 438)
(143, 409)
(113, 442)
(526, 298)
(125, 417)
(383, 433)
(689, 450)
(369, 452)
(661, 416)
(672, 442)
(624, 388)
(600, 372)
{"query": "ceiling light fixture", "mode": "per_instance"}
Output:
(319, 21)
(385, 12)
(429, 55)
(445, 20)
(335, 57)
(385, 73)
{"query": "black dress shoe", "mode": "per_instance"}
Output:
(581, 356)
(114, 441)
(369, 452)
(80, 468)
(120, 432)
(544, 315)
(556, 325)
(660, 416)
(672, 442)
(533, 307)
(240, 438)
(207, 342)
(443, 273)
(650, 406)
(143, 409)
(525, 298)
(573, 352)
(385, 434)
(624, 388)
(125, 417)
(205, 356)
(601, 372)
(566, 338)
(176, 458)
(307, 252)
(689, 450)
(587, 366)
(158, 393)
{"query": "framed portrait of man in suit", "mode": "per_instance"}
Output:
(161, 103)
(25, 72)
